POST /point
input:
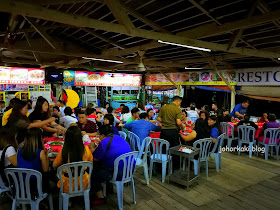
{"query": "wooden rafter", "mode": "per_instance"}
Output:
(48, 39)
(36, 55)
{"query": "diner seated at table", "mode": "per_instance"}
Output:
(110, 147)
(68, 119)
(264, 119)
(270, 124)
(215, 130)
(62, 105)
(142, 127)
(8, 150)
(92, 115)
(125, 115)
(152, 116)
(134, 115)
(119, 110)
(109, 120)
(87, 127)
(205, 108)
(201, 129)
(110, 111)
(104, 110)
(224, 116)
(186, 120)
(56, 114)
(192, 112)
(21, 123)
(33, 155)
(41, 113)
(247, 122)
(73, 150)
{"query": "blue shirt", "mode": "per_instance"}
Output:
(240, 109)
(115, 130)
(214, 133)
(141, 128)
(34, 163)
(118, 147)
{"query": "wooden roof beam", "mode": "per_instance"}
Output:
(37, 28)
(80, 21)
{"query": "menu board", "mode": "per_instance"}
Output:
(192, 78)
(24, 76)
(83, 78)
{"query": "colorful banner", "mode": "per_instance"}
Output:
(192, 78)
(24, 76)
(69, 78)
(83, 78)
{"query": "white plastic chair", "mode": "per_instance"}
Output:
(3, 187)
(74, 170)
(216, 151)
(133, 140)
(19, 179)
(229, 129)
(122, 134)
(158, 156)
(204, 146)
(142, 157)
(274, 135)
(246, 135)
(129, 161)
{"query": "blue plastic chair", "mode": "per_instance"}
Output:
(274, 135)
(3, 187)
(142, 157)
(230, 138)
(19, 179)
(216, 151)
(122, 134)
(128, 160)
(223, 127)
(74, 170)
(133, 140)
(158, 156)
(204, 146)
(193, 119)
(246, 135)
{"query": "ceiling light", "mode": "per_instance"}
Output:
(192, 68)
(181, 45)
(99, 59)
(141, 66)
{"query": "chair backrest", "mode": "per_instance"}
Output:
(229, 130)
(204, 146)
(157, 148)
(129, 162)
(246, 133)
(75, 170)
(2, 185)
(133, 140)
(219, 144)
(145, 146)
(273, 134)
(122, 134)
(193, 119)
(223, 127)
(20, 179)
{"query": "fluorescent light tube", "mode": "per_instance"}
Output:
(99, 59)
(192, 68)
(181, 45)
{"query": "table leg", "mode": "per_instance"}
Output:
(188, 179)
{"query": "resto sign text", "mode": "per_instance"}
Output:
(259, 77)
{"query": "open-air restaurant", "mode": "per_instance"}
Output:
(147, 104)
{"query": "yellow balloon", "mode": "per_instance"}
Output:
(73, 98)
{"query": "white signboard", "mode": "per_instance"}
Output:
(259, 77)
(46, 94)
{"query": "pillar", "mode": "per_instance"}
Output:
(232, 104)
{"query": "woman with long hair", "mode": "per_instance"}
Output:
(186, 120)
(104, 110)
(73, 151)
(41, 113)
(19, 120)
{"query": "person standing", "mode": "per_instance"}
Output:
(240, 110)
(170, 116)
(217, 111)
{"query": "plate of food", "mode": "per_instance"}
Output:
(36, 75)
(94, 77)
(5, 73)
(19, 74)
(54, 143)
(81, 77)
(52, 154)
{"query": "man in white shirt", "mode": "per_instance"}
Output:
(62, 107)
(67, 120)
(192, 112)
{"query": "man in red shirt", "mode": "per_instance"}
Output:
(87, 127)
(119, 110)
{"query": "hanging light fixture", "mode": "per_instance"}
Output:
(141, 66)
